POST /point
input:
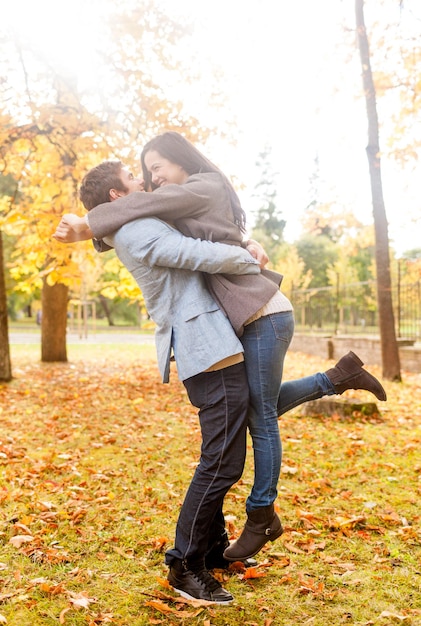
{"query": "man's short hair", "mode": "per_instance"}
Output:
(97, 183)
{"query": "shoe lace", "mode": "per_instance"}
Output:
(207, 580)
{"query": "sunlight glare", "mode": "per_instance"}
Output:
(63, 33)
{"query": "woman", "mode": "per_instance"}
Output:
(194, 195)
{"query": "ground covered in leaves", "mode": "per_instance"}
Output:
(95, 456)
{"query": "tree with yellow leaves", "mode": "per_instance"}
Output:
(54, 133)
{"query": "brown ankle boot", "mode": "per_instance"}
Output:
(262, 525)
(349, 374)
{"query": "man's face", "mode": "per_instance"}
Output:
(164, 172)
(130, 182)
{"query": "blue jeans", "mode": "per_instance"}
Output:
(222, 399)
(265, 343)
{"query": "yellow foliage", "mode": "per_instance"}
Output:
(292, 267)
(50, 135)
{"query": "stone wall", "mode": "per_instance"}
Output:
(367, 348)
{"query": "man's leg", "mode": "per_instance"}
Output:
(222, 398)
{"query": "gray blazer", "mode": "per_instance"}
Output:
(188, 319)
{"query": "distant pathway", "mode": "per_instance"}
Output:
(133, 337)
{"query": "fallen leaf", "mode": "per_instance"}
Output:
(252, 572)
(123, 553)
(18, 540)
(159, 606)
(341, 522)
(80, 600)
(163, 582)
(292, 548)
(63, 615)
(395, 616)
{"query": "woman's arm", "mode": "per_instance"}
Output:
(169, 203)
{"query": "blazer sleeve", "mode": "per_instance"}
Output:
(155, 243)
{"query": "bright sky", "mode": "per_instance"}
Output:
(286, 86)
(290, 89)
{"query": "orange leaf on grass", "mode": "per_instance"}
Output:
(22, 527)
(166, 609)
(342, 522)
(285, 579)
(292, 548)
(391, 517)
(52, 589)
(122, 553)
(252, 572)
(282, 560)
(159, 543)
(310, 586)
(164, 583)
(237, 566)
(311, 517)
(159, 606)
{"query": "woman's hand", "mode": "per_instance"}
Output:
(257, 252)
(72, 228)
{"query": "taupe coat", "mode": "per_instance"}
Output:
(200, 208)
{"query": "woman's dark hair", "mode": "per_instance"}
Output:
(96, 185)
(177, 149)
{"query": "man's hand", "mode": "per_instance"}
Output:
(257, 252)
(72, 228)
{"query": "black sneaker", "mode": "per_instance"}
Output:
(198, 586)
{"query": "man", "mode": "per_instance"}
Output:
(168, 268)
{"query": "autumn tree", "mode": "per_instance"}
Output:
(318, 253)
(6, 186)
(43, 156)
(269, 224)
(5, 363)
(389, 345)
(295, 273)
(57, 132)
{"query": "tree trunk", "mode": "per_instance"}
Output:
(5, 363)
(54, 322)
(389, 344)
(106, 309)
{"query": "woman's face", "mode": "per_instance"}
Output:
(164, 172)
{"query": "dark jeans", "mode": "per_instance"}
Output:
(222, 399)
